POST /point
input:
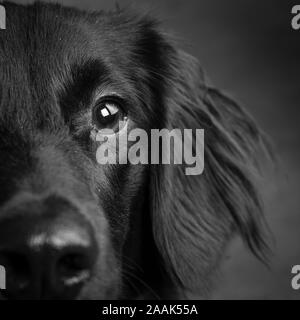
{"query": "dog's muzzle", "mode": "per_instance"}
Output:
(48, 250)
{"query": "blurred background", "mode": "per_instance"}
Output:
(249, 49)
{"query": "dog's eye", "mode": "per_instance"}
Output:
(108, 114)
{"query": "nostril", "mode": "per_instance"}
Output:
(18, 273)
(74, 268)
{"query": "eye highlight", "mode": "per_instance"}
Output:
(108, 113)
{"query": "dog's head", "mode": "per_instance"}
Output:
(71, 227)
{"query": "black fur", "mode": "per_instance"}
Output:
(161, 233)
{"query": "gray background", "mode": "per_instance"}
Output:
(249, 49)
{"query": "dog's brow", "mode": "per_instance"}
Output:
(88, 75)
(82, 82)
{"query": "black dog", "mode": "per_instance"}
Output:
(71, 228)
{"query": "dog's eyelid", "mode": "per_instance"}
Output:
(109, 95)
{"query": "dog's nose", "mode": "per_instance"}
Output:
(46, 258)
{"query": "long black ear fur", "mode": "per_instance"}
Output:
(194, 217)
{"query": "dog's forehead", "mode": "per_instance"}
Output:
(45, 38)
(43, 42)
(56, 27)
(48, 48)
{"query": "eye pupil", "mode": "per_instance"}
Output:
(108, 115)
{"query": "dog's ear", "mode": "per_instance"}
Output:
(195, 216)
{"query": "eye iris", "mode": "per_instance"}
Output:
(107, 115)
